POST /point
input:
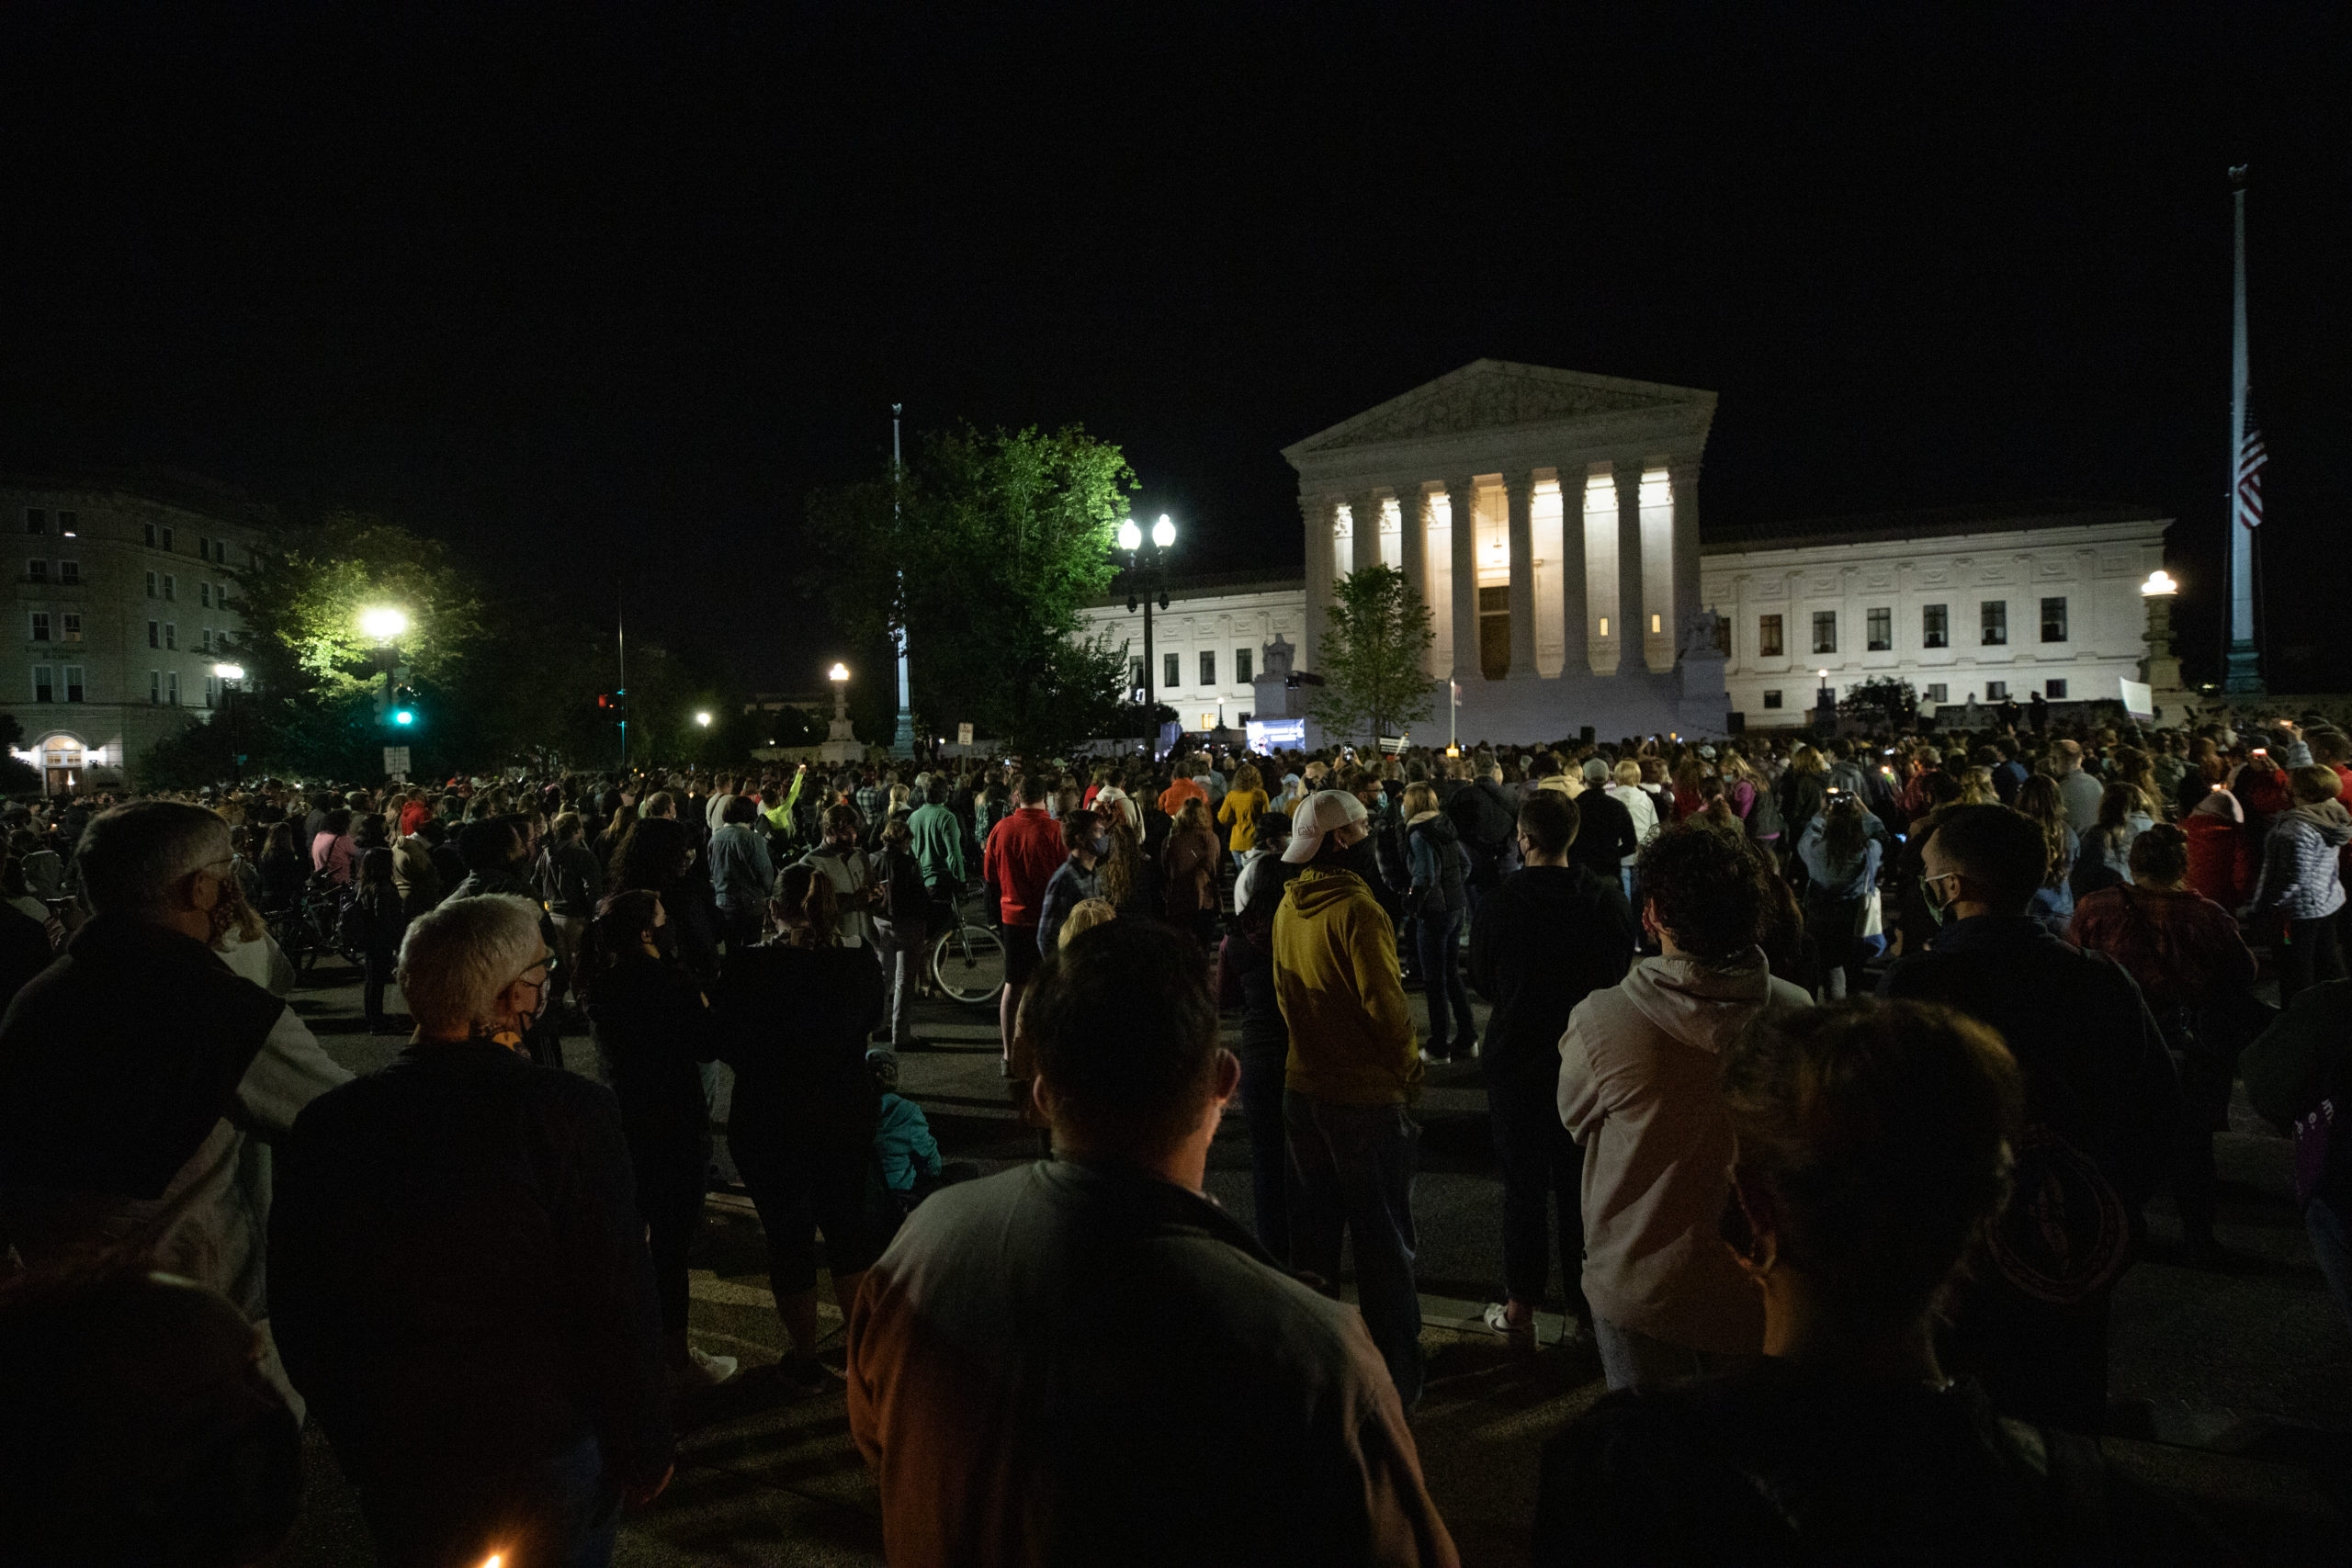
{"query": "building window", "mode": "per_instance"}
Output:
(1494, 632)
(2053, 620)
(68, 522)
(171, 588)
(1604, 626)
(154, 634)
(167, 545)
(1772, 699)
(73, 683)
(36, 571)
(1879, 630)
(1935, 626)
(171, 634)
(1135, 676)
(69, 572)
(40, 626)
(1825, 631)
(1994, 616)
(209, 684)
(1722, 636)
(1242, 667)
(147, 532)
(71, 627)
(151, 585)
(1657, 623)
(36, 520)
(44, 683)
(220, 552)
(204, 595)
(1768, 636)
(1938, 693)
(1209, 669)
(155, 687)
(171, 688)
(2055, 690)
(1997, 691)
(204, 641)
(203, 548)
(1171, 671)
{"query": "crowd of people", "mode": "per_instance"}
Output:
(1787, 1217)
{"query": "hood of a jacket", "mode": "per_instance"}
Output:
(1434, 825)
(2328, 819)
(1703, 1005)
(1319, 889)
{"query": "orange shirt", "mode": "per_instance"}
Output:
(1172, 799)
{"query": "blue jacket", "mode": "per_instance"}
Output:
(2300, 876)
(902, 1142)
(740, 870)
(1072, 884)
(1834, 881)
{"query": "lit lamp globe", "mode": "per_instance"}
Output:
(1130, 536)
(2160, 584)
(838, 673)
(703, 719)
(230, 671)
(1163, 533)
(383, 623)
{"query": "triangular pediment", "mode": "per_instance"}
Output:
(1491, 395)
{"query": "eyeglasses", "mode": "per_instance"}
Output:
(540, 968)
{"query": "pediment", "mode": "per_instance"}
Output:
(1495, 395)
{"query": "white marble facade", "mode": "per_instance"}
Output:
(1550, 521)
(1211, 640)
(1984, 602)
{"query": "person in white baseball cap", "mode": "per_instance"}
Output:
(1324, 812)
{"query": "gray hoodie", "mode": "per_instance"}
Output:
(1640, 1066)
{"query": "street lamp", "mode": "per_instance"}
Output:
(2159, 584)
(229, 675)
(383, 623)
(703, 719)
(1148, 582)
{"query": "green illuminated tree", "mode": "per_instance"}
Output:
(1375, 636)
(985, 549)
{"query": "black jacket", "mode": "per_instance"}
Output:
(793, 1022)
(457, 1273)
(1443, 894)
(116, 1059)
(652, 1032)
(1604, 835)
(1545, 939)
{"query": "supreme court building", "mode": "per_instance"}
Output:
(1550, 520)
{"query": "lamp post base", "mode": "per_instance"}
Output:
(902, 739)
(2243, 672)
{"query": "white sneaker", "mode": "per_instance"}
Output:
(706, 1370)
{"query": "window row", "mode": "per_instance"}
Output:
(155, 536)
(1935, 627)
(45, 683)
(1938, 692)
(69, 572)
(166, 587)
(67, 625)
(1171, 669)
(166, 635)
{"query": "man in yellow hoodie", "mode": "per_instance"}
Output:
(1353, 1071)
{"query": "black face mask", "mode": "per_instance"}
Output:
(1362, 859)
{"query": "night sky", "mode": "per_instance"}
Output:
(599, 295)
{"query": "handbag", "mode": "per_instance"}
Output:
(1873, 929)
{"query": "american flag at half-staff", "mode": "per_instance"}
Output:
(2252, 455)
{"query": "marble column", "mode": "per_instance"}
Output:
(1683, 476)
(1461, 496)
(1576, 653)
(1413, 539)
(1366, 507)
(1320, 514)
(1633, 614)
(1520, 488)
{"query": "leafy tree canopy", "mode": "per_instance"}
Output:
(1375, 635)
(984, 549)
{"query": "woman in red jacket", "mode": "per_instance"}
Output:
(2220, 854)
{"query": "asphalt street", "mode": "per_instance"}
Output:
(2232, 1392)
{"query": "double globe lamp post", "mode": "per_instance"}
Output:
(1148, 582)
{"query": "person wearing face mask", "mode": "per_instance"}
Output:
(2102, 1114)
(1075, 880)
(462, 1276)
(138, 1071)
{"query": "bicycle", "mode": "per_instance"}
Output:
(966, 962)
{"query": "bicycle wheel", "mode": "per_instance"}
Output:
(967, 965)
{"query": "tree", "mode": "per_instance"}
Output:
(1375, 636)
(1882, 699)
(984, 549)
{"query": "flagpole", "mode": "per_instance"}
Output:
(2243, 677)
